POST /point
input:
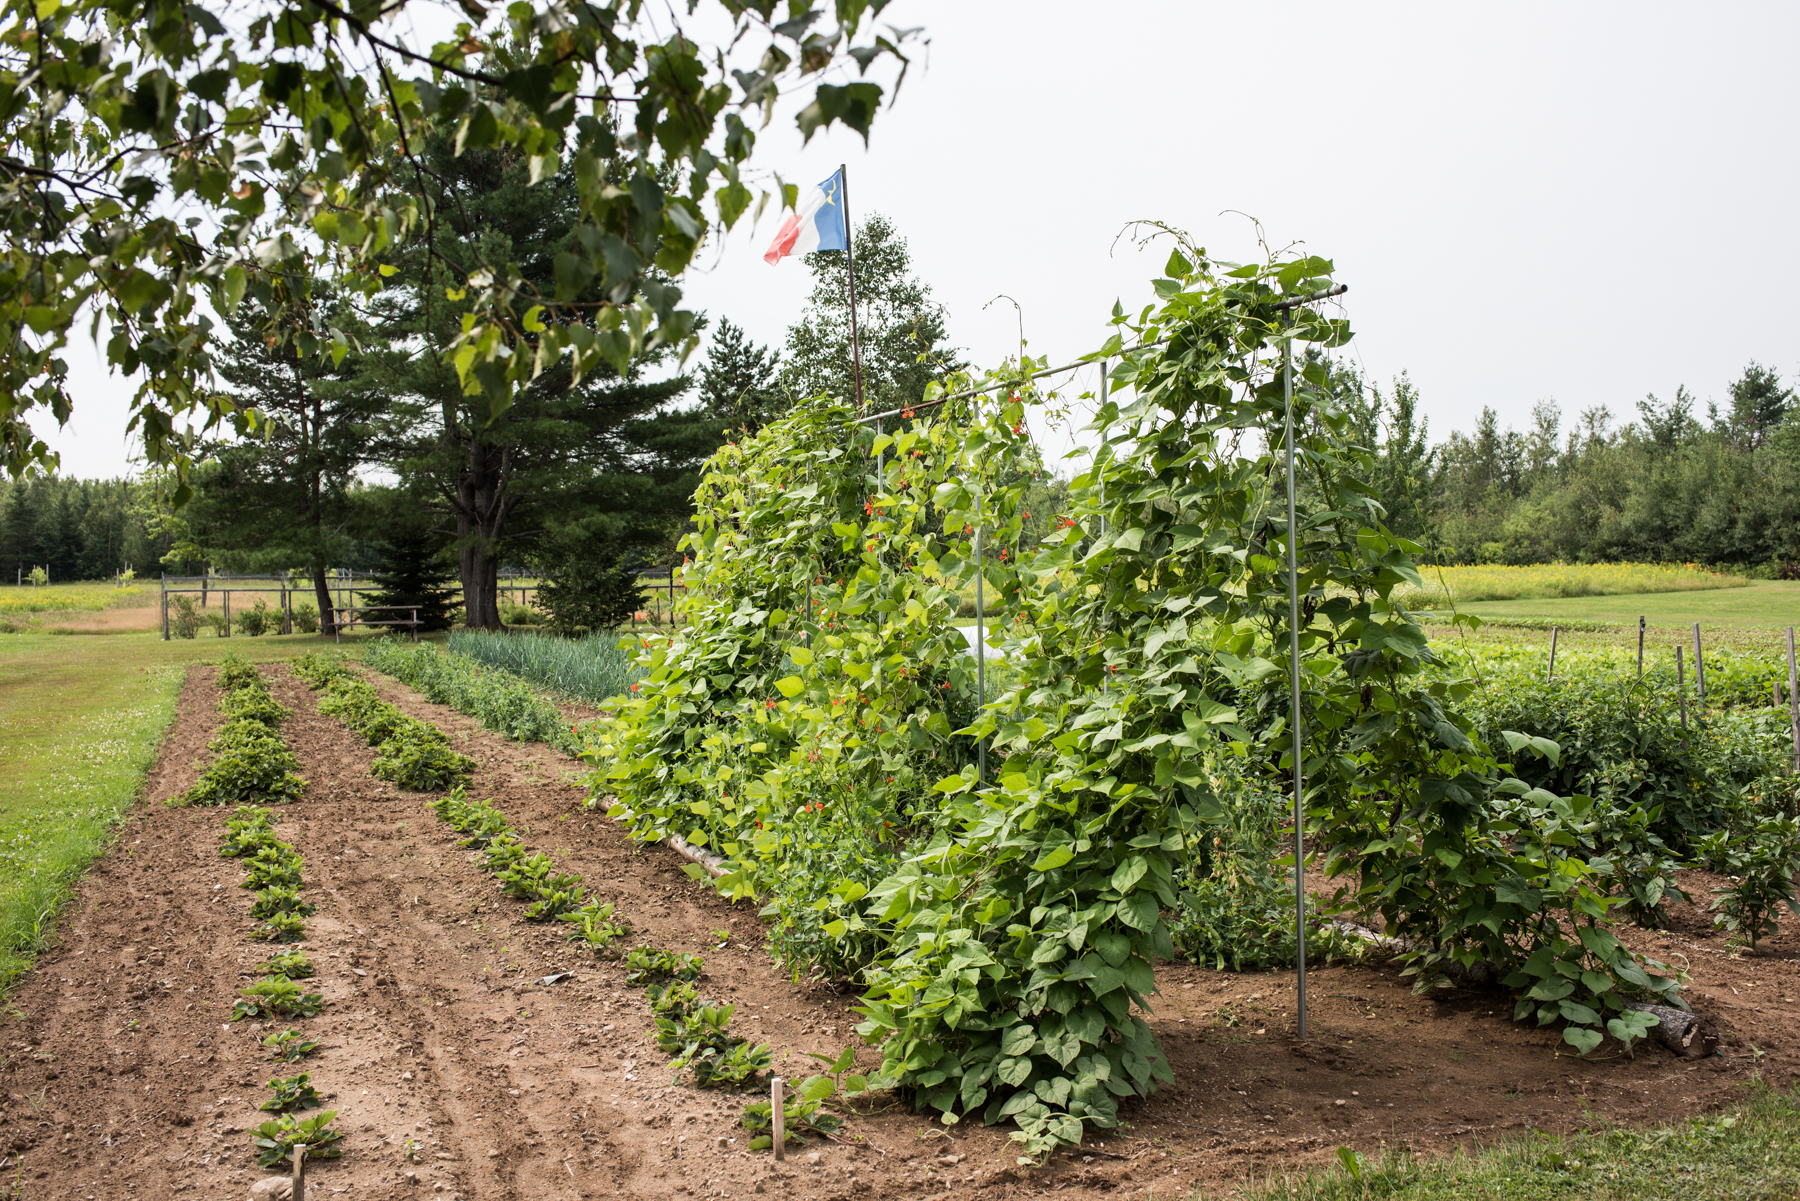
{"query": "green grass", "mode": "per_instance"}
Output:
(1765, 604)
(1494, 583)
(80, 721)
(1750, 1153)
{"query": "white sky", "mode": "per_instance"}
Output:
(1587, 202)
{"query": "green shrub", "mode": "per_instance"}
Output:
(1762, 861)
(257, 620)
(184, 617)
(306, 618)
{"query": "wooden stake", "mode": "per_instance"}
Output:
(778, 1116)
(1640, 648)
(1551, 675)
(299, 1185)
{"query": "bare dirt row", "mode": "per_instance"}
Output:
(458, 1072)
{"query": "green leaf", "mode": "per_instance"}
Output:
(790, 686)
(1053, 859)
(1582, 1038)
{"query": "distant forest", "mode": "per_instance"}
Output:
(1668, 483)
(1671, 484)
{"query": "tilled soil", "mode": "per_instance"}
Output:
(458, 1072)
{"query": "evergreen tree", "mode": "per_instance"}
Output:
(740, 382)
(609, 455)
(415, 570)
(1758, 404)
(901, 328)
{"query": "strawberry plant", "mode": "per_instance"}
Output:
(291, 1093)
(250, 764)
(280, 899)
(317, 669)
(253, 704)
(281, 927)
(274, 863)
(502, 853)
(675, 1000)
(292, 964)
(290, 1046)
(801, 1112)
(275, 1141)
(594, 927)
(276, 996)
(418, 763)
(236, 672)
(251, 829)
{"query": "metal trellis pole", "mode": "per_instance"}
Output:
(850, 274)
(1287, 392)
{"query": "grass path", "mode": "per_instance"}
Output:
(80, 721)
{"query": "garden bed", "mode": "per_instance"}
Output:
(125, 1078)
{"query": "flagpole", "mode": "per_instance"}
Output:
(850, 269)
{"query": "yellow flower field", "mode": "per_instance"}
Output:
(1464, 584)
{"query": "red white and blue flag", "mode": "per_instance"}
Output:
(817, 223)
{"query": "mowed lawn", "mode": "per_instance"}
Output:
(80, 720)
(1766, 604)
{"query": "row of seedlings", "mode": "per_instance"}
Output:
(413, 754)
(694, 1033)
(253, 763)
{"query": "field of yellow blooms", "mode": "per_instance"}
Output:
(1464, 584)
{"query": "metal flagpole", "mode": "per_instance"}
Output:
(850, 270)
(1287, 391)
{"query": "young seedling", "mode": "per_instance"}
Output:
(292, 964)
(276, 996)
(280, 899)
(650, 965)
(595, 928)
(275, 1141)
(291, 1093)
(283, 927)
(290, 1046)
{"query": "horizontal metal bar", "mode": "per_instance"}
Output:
(1323, 294)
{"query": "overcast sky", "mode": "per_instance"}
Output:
(1584, 202)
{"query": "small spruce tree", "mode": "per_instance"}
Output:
(415, 571)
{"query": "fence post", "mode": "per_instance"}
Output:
(1640, 648)
(227, 592)
(1551, 674)
(165, 606)
(415, 623)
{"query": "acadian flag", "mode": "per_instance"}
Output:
(817, 224)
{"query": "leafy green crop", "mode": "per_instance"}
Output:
(276, 996)
(275, 1141)
(250, 765)
(275, 863)
(292, 964)
(1762, 863)
(595, 927)
(593, 668)
(280, 898)
(281, 927)
(318, 668)
(499, 700)
(291, 1093)
(645, 966)
(248, 831)
(290, 1046)
(420, 764)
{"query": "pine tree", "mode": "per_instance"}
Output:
(415, 571)
(740, 382)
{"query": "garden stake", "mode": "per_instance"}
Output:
(1681, 694)
(1699, 675)
(1640, 648)
(778, 1116)
(1287, 390)
(298, 1192)
(1793, 698)
(1551, 674)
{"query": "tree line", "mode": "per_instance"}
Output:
(1672, 484)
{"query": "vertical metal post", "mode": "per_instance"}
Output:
(1100, 448)
(1294, 716)
(1793, 698)
(1640, 648)
(1551, 674)
(850, 274)
(1681, 692)
(165, 605)
(980, 661)
(1699, 675)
